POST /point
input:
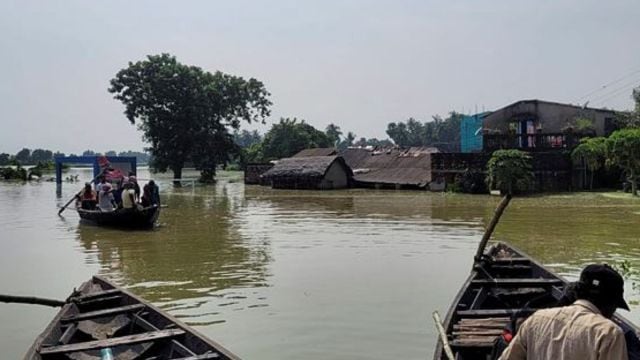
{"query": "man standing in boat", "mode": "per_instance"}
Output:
(581, 331)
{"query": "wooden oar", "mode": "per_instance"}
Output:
(31, 300)
(78, 194)
(492, 225)
(443, 336)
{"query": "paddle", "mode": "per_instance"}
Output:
(443, 336)
(492, 225)
(80, 192)
(31, 300)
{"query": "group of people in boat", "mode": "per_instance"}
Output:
(121, 194)
(581, 328)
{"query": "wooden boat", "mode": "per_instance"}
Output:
(139, 218)
(100, 317)
(506, 284)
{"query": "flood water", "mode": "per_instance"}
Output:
(274, 274)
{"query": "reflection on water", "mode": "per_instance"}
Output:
(296, 274)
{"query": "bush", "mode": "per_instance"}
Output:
(509, 171)
(471, 182)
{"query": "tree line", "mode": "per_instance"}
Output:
(27, 156)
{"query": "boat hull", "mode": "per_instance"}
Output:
(507, 285)
(103, 317)
(143, 218)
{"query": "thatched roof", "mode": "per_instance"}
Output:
(304, 167)
(316, 152)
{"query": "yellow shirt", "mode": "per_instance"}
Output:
(577, 332)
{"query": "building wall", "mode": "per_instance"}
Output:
(549, 117)
(471, 133)
(336, 177)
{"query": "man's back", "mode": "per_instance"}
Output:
(577, 332)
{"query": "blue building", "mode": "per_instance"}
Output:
(471, 132)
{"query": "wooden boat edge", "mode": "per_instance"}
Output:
(178, 323)
(438, 353)
(32, 352)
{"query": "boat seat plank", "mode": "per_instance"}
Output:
(96, 295)
(201, 357)
(177, 346)
(493, 312)
(103, 313)
(118, 341)
(512, 260)
(67, 334)
(517, 282)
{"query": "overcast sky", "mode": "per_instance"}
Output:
(359, 64)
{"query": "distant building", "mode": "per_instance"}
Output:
(534, 125)
(312, 172)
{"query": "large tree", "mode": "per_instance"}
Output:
(333, 132)
(442, 133)
(591, 152)
(623, 150)
(509, 171)
(23, 156)
(186, 113)
(289, 136)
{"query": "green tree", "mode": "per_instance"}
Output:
(623, 150)
(90, 153)
(246, 138)
(5, 159)
(110, 153)
(333, 132)
(509, 171)
(186, 113)
(591, 151)
(347, 141)
(41, 155)
(290, 136)
(23, 156)
(442, 133)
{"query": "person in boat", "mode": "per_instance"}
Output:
(581, 331)
(128, 196)
(87, 198)
(136, 187)
(101, 181)
(106, 200)
(150, 194)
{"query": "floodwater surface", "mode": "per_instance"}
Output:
(274, 274)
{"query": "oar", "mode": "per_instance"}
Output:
(492, 225)
(443, 336)
(31, 300)
(74, 197)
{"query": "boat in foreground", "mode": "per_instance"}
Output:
(138, 218)
(101, 317)
(504, 286)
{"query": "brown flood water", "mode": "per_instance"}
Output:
(351, 274)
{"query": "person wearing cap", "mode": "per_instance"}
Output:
(106, 201)
(581, 331)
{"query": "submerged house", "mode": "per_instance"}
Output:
(310, 172)
(390, 167)
(534, 125)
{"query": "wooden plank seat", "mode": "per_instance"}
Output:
(518, 282)
(95, 295)
(493, 312)
(113, 342)
(103, 313)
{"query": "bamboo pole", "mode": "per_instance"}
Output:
(443, 336)
(492, 225)
(31, 300)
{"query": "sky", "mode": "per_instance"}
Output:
(358, 64)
